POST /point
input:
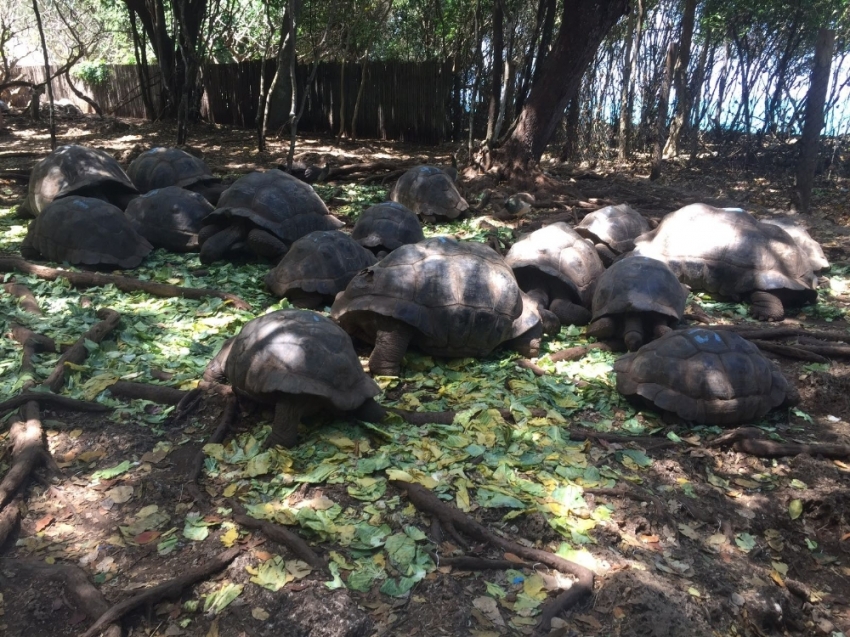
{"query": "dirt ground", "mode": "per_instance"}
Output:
(706, 543)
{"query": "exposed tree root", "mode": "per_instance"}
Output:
(78, 352)
(578, 352)
(155, 393)
(789, 351)
(32, 343)
(647, 442)
(281, 535)
(228, 417)
(76, 583)
(10, 515)
(26, 439)
(171, 588)
(47, 398)
(364, 167)
(451, 517)
(466, 563)
(448, 417)
(123, 283)
(527, 364)
(26, 299)
(748, 332)
(749, 440)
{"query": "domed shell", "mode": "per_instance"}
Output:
(323, 262)
(811, 248)
(461, 298)
(169, 217)
(163, 167)
(704, 376)
(298, 352)
(77, 170)
(276, 202)
(82, 230)
(639, 284)
(430, 192)
(615, 226)
(386, 226)
(559, 251)
(727, 252)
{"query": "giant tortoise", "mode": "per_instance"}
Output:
(77, 170)
(704, 376)
(613, 230)
(731, 254)
(446, 297)
(303, 364)
(430, 192)
(163, 167)
(385, 226)
(170, 217)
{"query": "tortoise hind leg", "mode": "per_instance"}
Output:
(570, 313)
(370, 411)
(633, 331)
(265, 244)
(766, 306)
(218, 245)
(602, 328)
(287, 417)
(657, 325)
(391, 341)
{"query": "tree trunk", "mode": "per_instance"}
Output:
(625, 111)
(293, 81)
(51, 115)
(680, 79)
(810, 140)
(583, 26)
(569, 152)
(721, 89)
(661, 122)
(528, 60)
(498, 45)
(476, 74)
(142, 66)
(696, 93)
(795, 35)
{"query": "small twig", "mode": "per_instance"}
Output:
(281, 535)
(749, 332)
(78, 352)
(123, 283)
(789, 351)
(467, 563)
(228, 416)
(580, 433)
(578, 352)
(169, 589)
(749, 440)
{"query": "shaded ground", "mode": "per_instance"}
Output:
(699, 541)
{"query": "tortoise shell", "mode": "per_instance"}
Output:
(386, 226)
(169, 217)
(461, 298)
(430, 192)
(811, 248)
(728, 252)
(615, 226)
(323, 262)
(77, 170)
(298, 352)
(704, 376)
(276, 202)
(639, 284)
(560, 252)
(82, 230)
(163, 167)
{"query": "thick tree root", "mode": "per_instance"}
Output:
(451, 517)
(123, 283)
(32, 343)
(46, 398)
(647, 442)
(26, 439)
(85, 595)
(145, 391)
(789, 351)
(10, 515)
(26, 299)
(78, 352)
(770, 333)
(228, 417)
(533, 367)
(169, 589)
(749, 440)
(578, 352)
(448, 417)
(281, 535)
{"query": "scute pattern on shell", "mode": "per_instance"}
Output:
(559, 251)
(639, 284)
(276, 202)
(323, 262)
(75, 170)
(727, 252)
(429, 192)
(812, 249)
(461, 298)
(86, 231)
(298, 352)
(169, 217)
(163, 167)
(615, 226)
(704, 376)
(387, 225)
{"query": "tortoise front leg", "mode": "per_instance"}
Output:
(570, 313)
(370, 411)
(287, 416)
(216, 246)
(766, 306)
(391, 341)
(265, 244)
(602, 328)
(633, 331)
